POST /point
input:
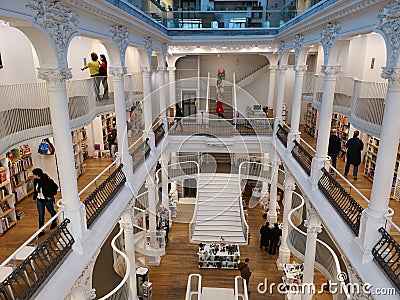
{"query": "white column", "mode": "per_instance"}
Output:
(165, 179)
(296, 106)
(271, 86)
(174, 191)
(313, 224)
(272, 216)
(280, 96)
(148, 112)
(58, 99)
(127, 224)
(163, 97)
(120, 111)
(373, 217)
(153, 196)
(284, 252)
(324, 124)
(172, 86)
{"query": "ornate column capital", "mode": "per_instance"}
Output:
(281, 48)
(146, 70)
(126, 226)
(54, 76)
(389, 24)
(161, 68)
(148, 45)
(297, 45)
(164, 50)
(331, 71)
(392, 75)
(289, 183)
(282, 68)
(329, 35)
(300, 70)
(171, 69)
(59, 22)
(313, 222)
(273, 68)
(118, 73)
(120, 38)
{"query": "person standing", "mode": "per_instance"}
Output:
(178, 117)
(354, 147)
(265, 235)
(245, 272)
(219, 109)
(275, 235)
(112, 140)
(335, 145)
(103, 74)
(94, 70)
(44, 191)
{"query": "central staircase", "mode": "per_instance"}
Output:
(218, 212)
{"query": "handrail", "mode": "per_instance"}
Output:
(127, 266)
(189, 292)
(335, 263)
(245, 226)
(302, 157)
(282, 135)
(243, 295)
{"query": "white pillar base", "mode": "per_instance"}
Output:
(369, 235)
(152, 141)
(290, 141)
(272, 217)
(77, 227)
(283, 258)
(316, 165)
(277, 121)
(154, 261)
(127, 169)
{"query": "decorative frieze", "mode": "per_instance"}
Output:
(330, 71)
(392, 75)
(59, 22)
(54, 76)
(148, 45)
(329, 36)
(389, 25)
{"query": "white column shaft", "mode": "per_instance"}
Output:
(148, 112)
(272, 216)
(163, 97)
(130, 250)
(165, 196)
(280, 95)
(172, 86)
(271, 86)
(296, 106)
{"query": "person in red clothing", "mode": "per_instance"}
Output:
(219, 109)
(103, 74)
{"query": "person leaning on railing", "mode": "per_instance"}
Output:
(94, 69)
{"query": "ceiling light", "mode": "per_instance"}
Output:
(224, 47)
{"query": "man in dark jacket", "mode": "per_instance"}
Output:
(44, 191)
(245, 272)
(264, 231)
(275, 236)
(334, 147)
(354, 147)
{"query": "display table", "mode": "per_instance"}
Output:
(292, 279)
(215, 256)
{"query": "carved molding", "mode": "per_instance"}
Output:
(120, 37)
(148, 45)
(331, 71)
(164, 50)
(117, 72)
(161, 68)
(389, 25)
(84, 281)
(59, 22)
(329, 35)
(273, 68)
(297, 45)
(171, 69)
(300, 70)
(282, 68)
(54, 76)
(281, 48)
(313, 222)
(392, 75)
(355, 278)
(289, 183)
(146, 70)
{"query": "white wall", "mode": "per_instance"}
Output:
(17, 56)
(133, 60)
(375, 48)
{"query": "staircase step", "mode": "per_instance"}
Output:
(216, 239)
(217, 223)
(227, 229)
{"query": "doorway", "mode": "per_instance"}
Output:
(188, 103)
(190, 188)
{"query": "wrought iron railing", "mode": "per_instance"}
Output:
(139, 154)
(303, 157)
(348, 208)
(96, 202)
(282, 135)
(159, 133)
(387, 254)
(26, 279)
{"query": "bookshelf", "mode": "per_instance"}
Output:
(106, 120)
(370, 164)
(79, 138)
(19, 167)
(310, 120)
(218, 256)
(136, 117)
(8, 217)
(342, 125)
